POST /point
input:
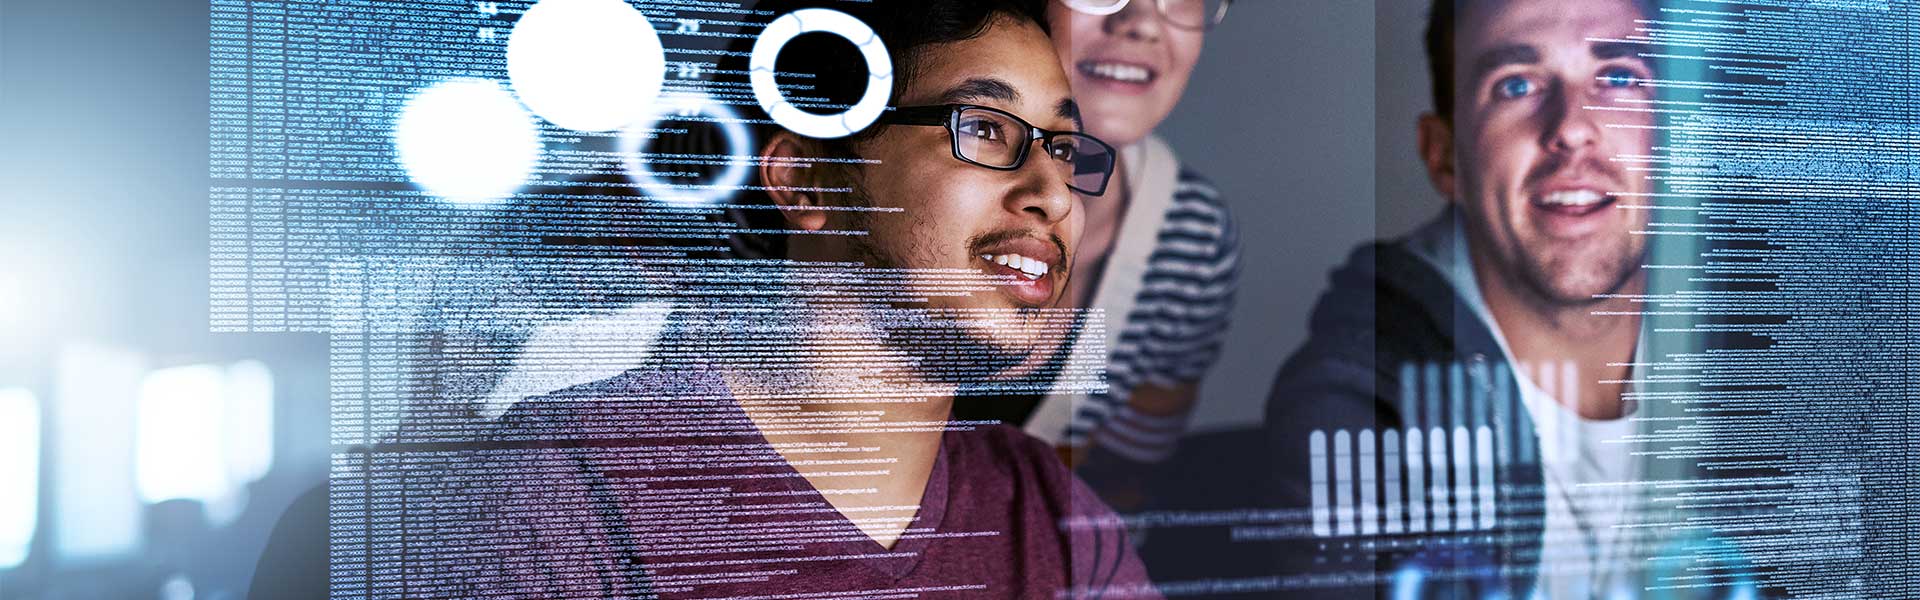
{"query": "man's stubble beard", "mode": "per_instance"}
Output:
(962, 357)
(1610, 276)
(1535, 272)
(1622, 258)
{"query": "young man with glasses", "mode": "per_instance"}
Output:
(799, 445)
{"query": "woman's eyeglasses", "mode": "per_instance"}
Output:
(1185, 14)
(995, 139)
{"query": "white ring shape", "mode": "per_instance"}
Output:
(767, 48)
(738, 154)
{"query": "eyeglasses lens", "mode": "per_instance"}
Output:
(990, 138)
(1194, 14)
(1090, 161)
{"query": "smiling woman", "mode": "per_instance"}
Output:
(1159, 251)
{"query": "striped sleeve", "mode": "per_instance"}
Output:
(1178, 323)
(1188, 294)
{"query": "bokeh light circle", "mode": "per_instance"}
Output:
(586, 65)
(466, 141)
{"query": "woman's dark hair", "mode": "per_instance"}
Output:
(824, 73)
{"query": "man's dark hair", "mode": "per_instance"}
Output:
(832, 66)
(834, 76)
(1441, 21)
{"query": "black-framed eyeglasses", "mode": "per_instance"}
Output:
(995, 139)
(1185, 14)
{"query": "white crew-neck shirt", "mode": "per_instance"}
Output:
(1588, 550)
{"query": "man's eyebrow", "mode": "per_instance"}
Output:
(1503, 56)
(994, 88)
(1068, 109)
(1612, 50)
(978, 88)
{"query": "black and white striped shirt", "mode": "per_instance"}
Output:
(1178, 322)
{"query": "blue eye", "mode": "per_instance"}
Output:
(1513, 87)
(1618, 77)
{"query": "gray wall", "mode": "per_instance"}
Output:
(1406, 198)
(1302, 112)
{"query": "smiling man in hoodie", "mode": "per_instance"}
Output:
(1471, 379)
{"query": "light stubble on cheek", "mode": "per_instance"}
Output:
(926, 244)
(1574, 271)
(904, 240)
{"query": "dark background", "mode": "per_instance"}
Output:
(1303, 112)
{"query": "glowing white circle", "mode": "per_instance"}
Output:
(586, 65)
(466, 141)
(766, 50)
(738, 156)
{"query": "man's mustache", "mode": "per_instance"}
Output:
(1005, 235)
(1583, 166)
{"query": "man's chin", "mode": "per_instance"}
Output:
(982, 371)
(1582, 287)
(1015, 377)
(1014, 363)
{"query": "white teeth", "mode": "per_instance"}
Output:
(1573, 198)
(1119, 72)
(1031, 268)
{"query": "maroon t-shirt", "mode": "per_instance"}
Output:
(656, 484)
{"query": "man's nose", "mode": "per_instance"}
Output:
(1042, 191)
(1140, 20)
(1568, 125)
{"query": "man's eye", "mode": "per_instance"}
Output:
(1618, 77)
(1064, 152)
(1513, 87)
(981, 129)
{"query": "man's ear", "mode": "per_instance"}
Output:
(1436, 149)
(791, 177)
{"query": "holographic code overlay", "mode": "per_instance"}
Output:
(486, 204)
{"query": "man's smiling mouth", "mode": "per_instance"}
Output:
(1032, 265)
(1030, 268)
(1573, 202)
(1032, 279)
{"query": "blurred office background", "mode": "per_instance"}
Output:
(140, 455)
(143, 457)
